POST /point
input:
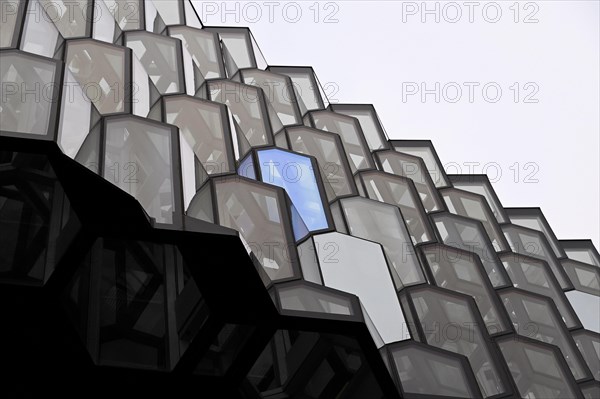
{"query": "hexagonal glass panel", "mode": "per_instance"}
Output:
(534, 275)
(529, 242)
(70, 16)
(305, 84)
(581, 250)
(536, 317)
(469, 235)
(30, 88)
(204, 49)
(369, 123)
(588, 343)
(587, 308)
(351, 134)
(382, 223)
(413, 168)
(448, 321)
(474, 206)
(425, 150)
(585, 278)
(480, 184)
(537, 369)
(11, 18)
(401, 192)
(127, 13)
(462, 271)
(533, 218)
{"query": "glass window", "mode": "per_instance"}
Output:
(295, 174)
(305, 84)
(533, 218)
(588, 343)
(39, 35)
(310, 298)
(30, 88)
(585, 278)
(127, 13)
(424, 149)
(480, 184)
(69, 16)
(138, 159)
(11, 14)
(587, 307)
(204, 48)
(582, 251)
(382, 223)
(358, 267)
(170, 12)
(413, 168)
(369, 123)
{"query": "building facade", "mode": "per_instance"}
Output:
(179, 216)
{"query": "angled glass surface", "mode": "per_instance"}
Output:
(474, 206)
(398, 191)
(128, 14)
(590, 390)
(369, 123)
(469, 235)
(534, 275)
(237, 48)
(138, 159)
(529, 242)
(448, 321)
(305, 297)
(204, 49)
(413, 168)
(581, 250)
(382, 223)
(585, 278)
(351, 134)
(359, 267)
(462, 271)
(170, 12)
(295, 174)
(247, 108)
(205, 128)
(328, 149)
(537, 369)
(424, 149)
(536, 317)
(533, 218)
(426, 371)
(587, 307)
(588, 343)
(305, 84)
(257, 212)
(71, 17)
(30, 89)
(100, 69)
(279, 92)
(161, 56)
(480, 184)
(39, 35)
(11, 22)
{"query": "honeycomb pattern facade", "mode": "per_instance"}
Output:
(177, 215)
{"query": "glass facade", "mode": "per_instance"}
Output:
(177, 215)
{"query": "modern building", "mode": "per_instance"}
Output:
(179, 218)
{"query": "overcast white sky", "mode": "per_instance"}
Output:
(540, 149)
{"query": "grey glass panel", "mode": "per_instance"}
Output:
(201, 206)
(312, 299)
(590, 390)
(247, 107)
(533, 218)
(9, 14)
(534, 317)
(369, 122)
(425, 151)
(535, 276)
(533, 243)
(588, 343)
(202, 124)
(427, 372)
(161, 56)
(351, 134)
(449, 323)
(328, 150)
(467, 234)
(474, 206)
(39, 35)
(413, 168)
(309, 262)
(237, 48)
(383, 223)
(585, 278)
(254, 209)
(305, 85)
(462, 271)
(29, 92)
(398, 191)
(587, 308)
(75, 116)
(480, 184)
(170, 12)
(138, 160)
(357, 266)
(71, 17)
(100, 70)
(204, 49)
(279, 92)
(581, 250)
(536, 370)
(127, 13)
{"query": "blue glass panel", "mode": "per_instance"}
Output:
(246, 168)
(294, 173)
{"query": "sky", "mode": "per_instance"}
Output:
(504, 88)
